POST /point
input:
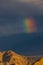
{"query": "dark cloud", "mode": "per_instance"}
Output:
(16, 7)
(12, 11)
(8, 28)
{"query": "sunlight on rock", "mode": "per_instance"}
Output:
(11, 58)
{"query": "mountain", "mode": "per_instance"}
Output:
(38, 62)
(11, 58)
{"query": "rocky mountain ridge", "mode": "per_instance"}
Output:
(11, 58)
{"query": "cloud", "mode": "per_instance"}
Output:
(21, 7)
(9, 27)
(37, 3)
(9, 9)
(15, 26)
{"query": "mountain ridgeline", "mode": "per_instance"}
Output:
(11, 58)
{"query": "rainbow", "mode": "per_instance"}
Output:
(29, 25)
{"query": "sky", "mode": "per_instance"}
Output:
(12, 12)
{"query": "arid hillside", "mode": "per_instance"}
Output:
(11, 58)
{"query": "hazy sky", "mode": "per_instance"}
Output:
(12, 12)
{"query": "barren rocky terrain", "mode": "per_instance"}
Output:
(11, 58)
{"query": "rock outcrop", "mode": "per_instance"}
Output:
(38, 62)
(11, 58)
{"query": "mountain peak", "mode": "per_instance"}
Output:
(11, 58)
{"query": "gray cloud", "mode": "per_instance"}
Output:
(10, 27)
(21, 7)
(14, 8)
